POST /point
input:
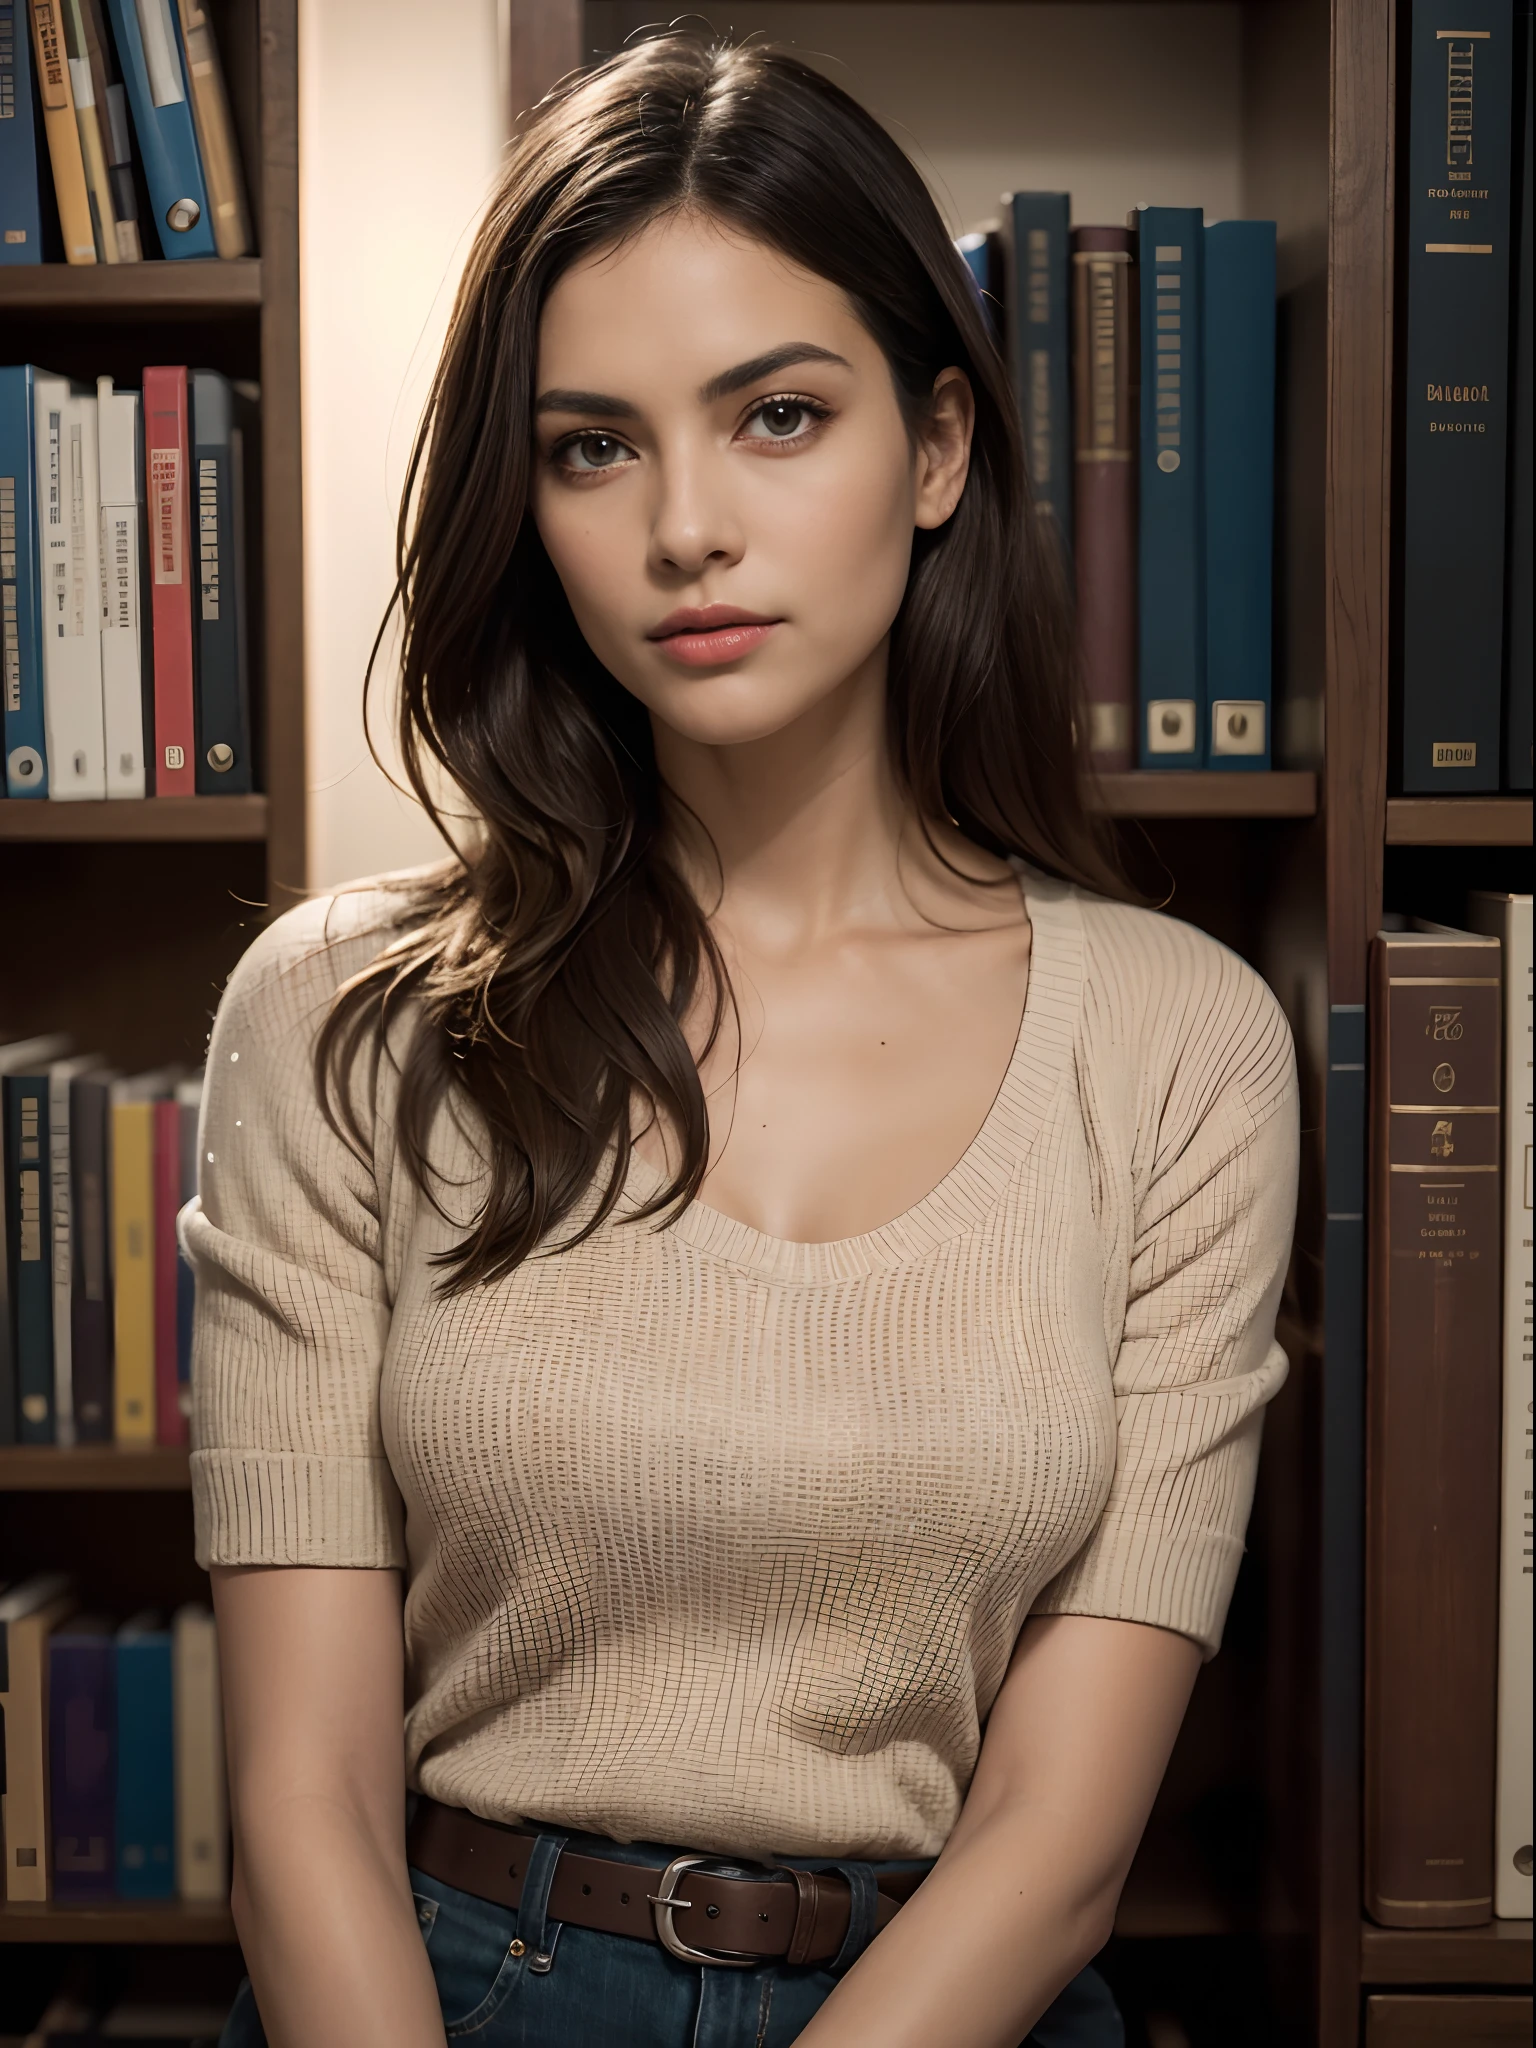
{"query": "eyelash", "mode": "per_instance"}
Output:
(819, 411)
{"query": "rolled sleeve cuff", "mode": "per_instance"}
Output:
(282, 1507)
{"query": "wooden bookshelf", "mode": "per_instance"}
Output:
(1498, 1954)
(1459, 821)
(121, 291)
(95, 1468)
(208, 818)
(1189, 793)
(119, 1923)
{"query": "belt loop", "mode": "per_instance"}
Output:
(533, 1905)
(864, 1897)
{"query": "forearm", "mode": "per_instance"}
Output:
(329, 1931)
(1009, 1914)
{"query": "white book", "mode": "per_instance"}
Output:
(122, 643)
(69, 531)
(1508, 918)
(61, 1210)
(202, 1808)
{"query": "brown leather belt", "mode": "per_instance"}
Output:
(799, 1915)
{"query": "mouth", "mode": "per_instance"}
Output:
(708, 637)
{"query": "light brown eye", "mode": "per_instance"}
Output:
(591, 451)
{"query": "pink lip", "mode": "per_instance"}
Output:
(704, 638)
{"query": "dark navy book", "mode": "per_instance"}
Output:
(82, 1758)
(218, 604)
(29, 1245)
(1455, 406)
(21, 210)
(1517, 631)
(21, 582)
(146, 1762)
(1038, 236)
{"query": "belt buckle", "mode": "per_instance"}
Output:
(665, 1902)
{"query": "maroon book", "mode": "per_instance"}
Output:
(1104, 376)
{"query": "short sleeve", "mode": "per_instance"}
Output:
(1198, 1359)
(291, 1310)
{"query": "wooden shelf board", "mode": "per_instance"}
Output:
(157, 817)
(1499, 1953)
(93, 1468)
(116, 1921)
(1209, 793)
(112, 290)
(1459, 821)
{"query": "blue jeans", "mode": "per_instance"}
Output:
(600, 1990)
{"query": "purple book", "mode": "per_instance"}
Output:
(82, 1758)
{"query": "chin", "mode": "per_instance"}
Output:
(731, 709)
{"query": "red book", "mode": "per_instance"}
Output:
(167, 464)
(170, 1416)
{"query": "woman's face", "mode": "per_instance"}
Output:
(725, 482)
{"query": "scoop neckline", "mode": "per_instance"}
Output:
(971, 1187)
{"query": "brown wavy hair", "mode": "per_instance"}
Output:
(553, 964)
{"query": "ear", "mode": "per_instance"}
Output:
(944, 448)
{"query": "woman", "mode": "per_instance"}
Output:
(777, 1259)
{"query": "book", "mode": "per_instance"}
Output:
(18, 1056)
(21, 212)
(82, 1757)
(1170, 515)
(215, 130)
(90, 122)
(69, 530)
(1104, 378)
(29, 1613)
(112, 114)
(167, 463)
(62, 1074)
(1238, 431)
(28, 1222)
(1508, 918)
(21, 645)
(149, 50)
(132, 1211)
(91, 1300)
(56, 95)
(189, 1098)
(223, 682)
(1038, 261)
(202, 1805)
(146, 1761)
(1456, 370)
(1432, 1422)
(1517, 581)
(123, 634)
(981, 250)
(171, 1410)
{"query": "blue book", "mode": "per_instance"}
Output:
(1171, 523)
(1040, 349)
(29, 1245)
(148, 38)
(21, 212)
(82, 1758)
(26, 745)
(146, 1762)
(218, 607)
(1239, 433)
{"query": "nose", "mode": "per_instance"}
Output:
(693, 523)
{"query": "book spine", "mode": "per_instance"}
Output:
(1040, 348)
(122, 511)
(1456, 367)
(170, 1417)
(24, 1733)
(62, 131)
(8, 1390)
(1171, 524)
(93, 152)
(162, 122)
(133, 1272)
(1518, 673)
(82, 1764)
(1104, 373)
(1512, 1807)
(146, 1820)
(63, 1250)
(223, 721)
(186, 1279)
(21, 214)
(1432, 1419)
(215, 130)
(90, 1306)
(69, 509)
(166, 467)
(1238, 347)
(202, 1817)
(31, 1260)
(26, 755)
(112, 118)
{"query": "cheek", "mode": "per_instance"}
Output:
(595, 548)
(844, 538)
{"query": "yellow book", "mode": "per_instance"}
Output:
(88, 119)
(133, 1270)
(63, 131)
(215, 132)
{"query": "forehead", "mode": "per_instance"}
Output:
(683, 299)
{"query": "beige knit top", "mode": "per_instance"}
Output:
(715, 1539)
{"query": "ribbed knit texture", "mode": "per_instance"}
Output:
(717, 1539)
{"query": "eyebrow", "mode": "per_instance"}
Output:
(607, 407)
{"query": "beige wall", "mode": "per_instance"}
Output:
(400, 137)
